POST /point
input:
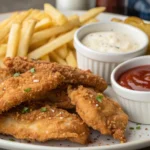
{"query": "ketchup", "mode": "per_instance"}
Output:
(137, 78)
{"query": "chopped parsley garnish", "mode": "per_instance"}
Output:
(32, 70)
(99, 98)
(138, 127)
(17, 74)
(27, 90)
(138, 124)
(25, 110)
(43, 109)
(131, 128)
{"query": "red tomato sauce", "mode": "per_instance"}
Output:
(137, 78)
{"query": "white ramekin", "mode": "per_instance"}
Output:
(103, 63)
(135, 103)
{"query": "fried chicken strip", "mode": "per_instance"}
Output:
(72, 75)
(46, 123)
(28, 86)
(5, 74)
(59, 98)
(99, 112)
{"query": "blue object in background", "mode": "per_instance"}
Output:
(140, 8)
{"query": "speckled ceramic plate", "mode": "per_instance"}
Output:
(138, 136)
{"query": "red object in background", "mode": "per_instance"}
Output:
(114, 6)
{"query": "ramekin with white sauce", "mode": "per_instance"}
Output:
(102, 46)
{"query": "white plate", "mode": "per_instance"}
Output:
(135, 138)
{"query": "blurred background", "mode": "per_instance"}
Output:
(140, 8)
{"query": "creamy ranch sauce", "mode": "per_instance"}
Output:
(112, 42)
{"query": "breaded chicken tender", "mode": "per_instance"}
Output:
(99, 112)
(59, 98)
(26, 87)
(72, 75)
(5, 74)
(43, 124)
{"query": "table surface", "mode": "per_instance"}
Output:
(26, 4)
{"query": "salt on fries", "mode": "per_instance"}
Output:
(45, 35)
(139, 23)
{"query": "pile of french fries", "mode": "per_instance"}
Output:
(45, 35)
(139, 23)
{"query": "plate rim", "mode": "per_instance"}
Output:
(11, 144)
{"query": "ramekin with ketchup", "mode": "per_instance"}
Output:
(131, 83)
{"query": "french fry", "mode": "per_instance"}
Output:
(46, 58)
(91, 21)
(57, 58)
(62, 51)
(92, 13)
(13, 40)
(4, 40)
(6, 29)
(18, 18)
(71, 59)
(4, 23)
(40, 43)
(72, 17)
(56, 15)
(3, 49)
(22, 16)
(134, 19)
(43, 24)
(37, 45)
(25, 37)
(51, 39)
(51, 46)
(33, 14)
(70, 44)
(43, 15)
(47, 33)
(116, 20)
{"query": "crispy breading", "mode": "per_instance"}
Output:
(27, 86)
(5, 74)
(72, 75)
(59, 98)
(43, 124)
(99, 112)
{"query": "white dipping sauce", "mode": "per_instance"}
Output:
(110, 42)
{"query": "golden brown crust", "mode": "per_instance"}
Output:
(16, 90)
(59, 98)
(41, 126)
(72, 75)
(105, 116)
(5, 74)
